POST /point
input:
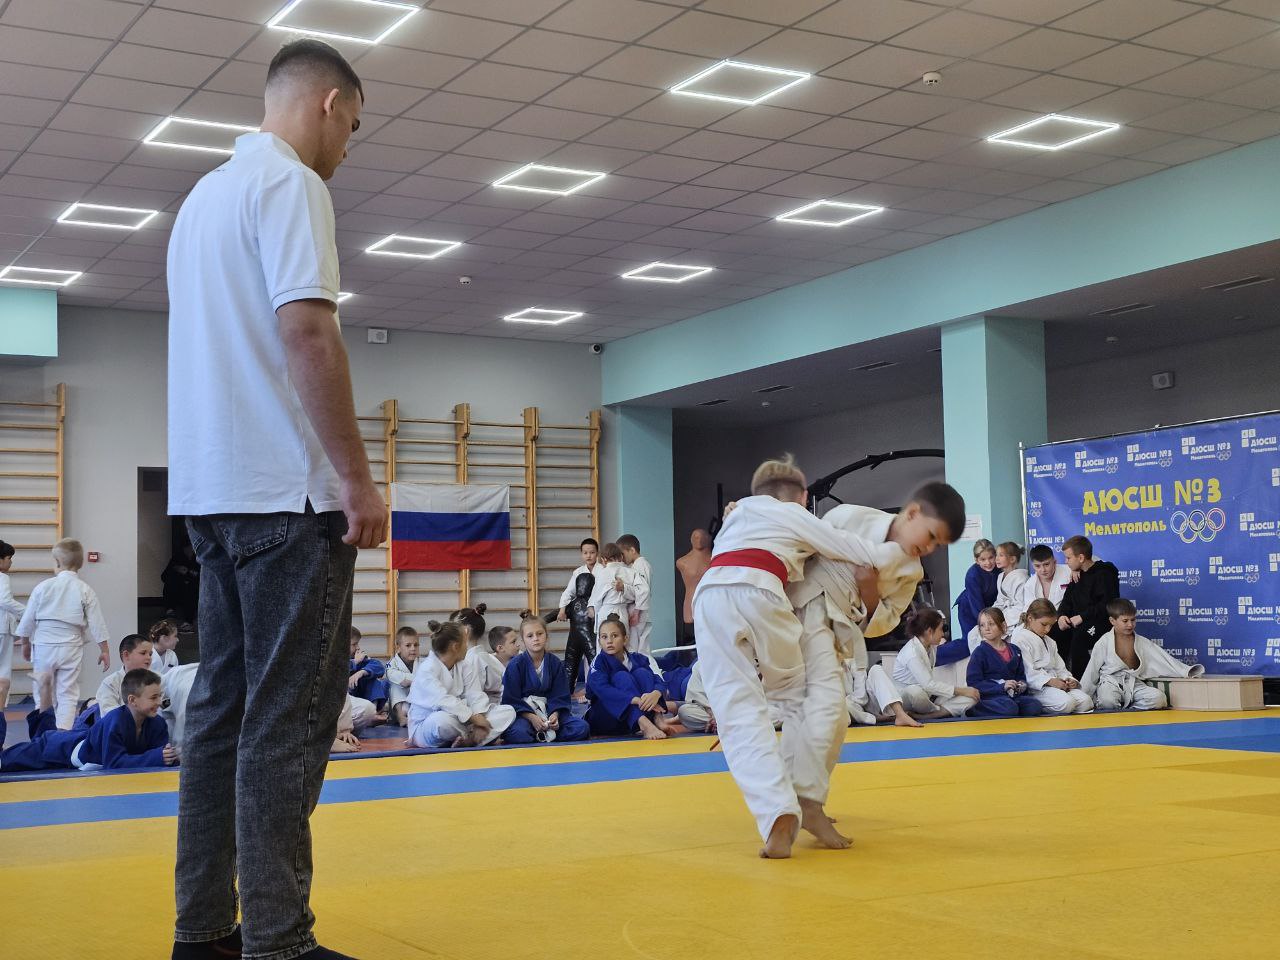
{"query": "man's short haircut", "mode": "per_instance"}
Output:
(69, 553)
(590, 542)
(1079, 545)
(1041, 552)
(779, 479)
(129, 643)
(135, 681)
(314, 58)
(942, 502)
(1120, 607)
(629, 541)
(6, 550)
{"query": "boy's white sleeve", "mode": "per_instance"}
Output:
(597, 593)
(641, 586)
(9, 605)
(95, 624)
(570, 592)
(830, 542)
(28, 622)
(1093, 673)
(892, 606)
(629, 585)
(397, 674)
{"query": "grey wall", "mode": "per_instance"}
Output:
(114, 365)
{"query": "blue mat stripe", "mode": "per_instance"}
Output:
(1262, 734)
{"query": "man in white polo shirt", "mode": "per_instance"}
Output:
(267, 465)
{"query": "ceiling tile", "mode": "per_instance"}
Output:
(773, 123)
(567, 124)
(863, 166)
(1045, 49)
(242, 77)
(676, 169)
(1207, 32)
(438, 32)
(93, 18)
(1263, 52)
(598, 96)
(79, 118)
(766, 11)
(251, 11)
(1118, 171)
(1124, 64)
(1127, 106)
(1183, 150)
(958, 33)
(624, 20)
(431, 188)
(1028, 11)
(980, 119)
(1261, 94)
(383, 156)
(846, 134)
(1202, 78)
(737, 177)
(1257, 126)
(45, 49)
(888, 66)
(1124, 19)
(463, 110)
(225, 107)
(1258, 8)
(511, 147)
(974, 80)
(592, 156)
(563, 52)
(174, 30)
(1195, 116)
(61, 143)
(410, 67)
(152, 98)
(824, 95)
(920, 144)
(791, 156)
(526, 11)
(905, 109)
(160, 66)
(814, 186)
(419, 134)
(711, 145)
(802, 50)
(635, 135)
(703, 198)
(1050, 94)
(642, 66)
(875, 21)
(28, 111)
(710, 35)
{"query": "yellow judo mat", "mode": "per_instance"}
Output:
(1110, 836)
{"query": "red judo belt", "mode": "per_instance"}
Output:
(754, 559)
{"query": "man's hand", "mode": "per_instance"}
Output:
(366, 514)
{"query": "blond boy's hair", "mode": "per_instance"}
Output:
(69, 554)
(779, 478)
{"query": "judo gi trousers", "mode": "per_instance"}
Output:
(56, 667)
(441, 728)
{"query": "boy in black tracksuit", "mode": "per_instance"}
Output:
(1082, 614)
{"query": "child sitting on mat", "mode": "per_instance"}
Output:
(536, 685)
(626, 695)
(367, 680)
(997, 672)
(164, 641)
(447, 709)
(400, 675)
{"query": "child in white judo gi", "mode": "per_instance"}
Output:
(913, 691)
(642, 576)
(445, 708)
(1122, 659)
(61, 613)
(10, 614)
(400, 675)
(744, 622)
(1047, 675)
(614, 593)
(164, 642)
(135, 654)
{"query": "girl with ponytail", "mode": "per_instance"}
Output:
(447, 708)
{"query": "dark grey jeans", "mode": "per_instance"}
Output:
(275, 611)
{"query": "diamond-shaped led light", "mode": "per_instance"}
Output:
(38, 276)
(540, 178)
(207, 136)
(419, 248)
(109, 218)
(733, 81)
(539, 315)
(358, 21)
(1053, 132)
(829, 213)
(666, 272)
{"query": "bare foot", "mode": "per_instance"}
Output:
(906, 720)
(816, 822)
(781, 836)
(649, 731)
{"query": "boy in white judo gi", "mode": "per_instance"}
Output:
(744, 621)
(642, 576)
(840, 604)
(614, 592)
(1122, 659)
(61, 612)
(10, 614)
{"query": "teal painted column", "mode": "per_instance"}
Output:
(993, 398)
(28, 322)
(646, 505)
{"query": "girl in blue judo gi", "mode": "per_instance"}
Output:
(626, 694)
(980, 587)
(536, 685)
(132, 735)
(997, 672)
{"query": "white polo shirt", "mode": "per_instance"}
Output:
(253, 235)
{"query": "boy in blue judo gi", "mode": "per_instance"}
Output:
(130, 736)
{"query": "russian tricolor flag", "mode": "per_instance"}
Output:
(450, 527)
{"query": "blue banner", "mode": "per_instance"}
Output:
(1191, 516)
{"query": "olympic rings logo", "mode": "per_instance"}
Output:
(1198, 525)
